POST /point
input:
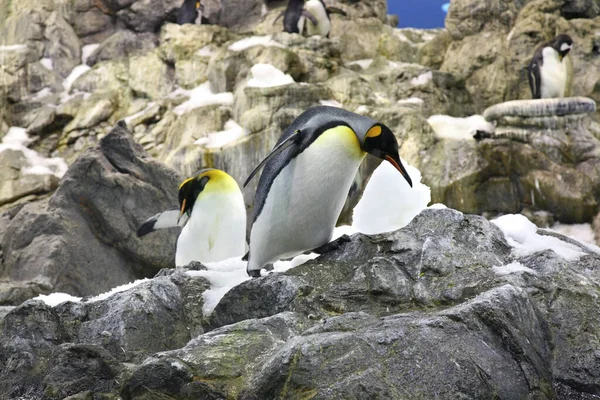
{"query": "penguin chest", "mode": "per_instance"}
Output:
(306, 198)
(553, 74)
(316, 8)
(215, 231)
(198, 20)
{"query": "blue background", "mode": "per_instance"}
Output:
(418, 13)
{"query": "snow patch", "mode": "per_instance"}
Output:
(205, 52)
(42, 93)
(388, 202)
(76, 73)
(512, 268)
(139, 113)
(13, 47)
(410, 100)
(118, 289)
(47, 63)
(266, 75)
(54, 299)
(87, 50)
(17, 139)
(422, 79)
(252, 41)
(522, 234)
(447, 127)
(364, 64)
(331, 103)
(200, 96)
(230, 134)
(362, 109)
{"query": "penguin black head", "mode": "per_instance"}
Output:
(190, 189)
(562, 44)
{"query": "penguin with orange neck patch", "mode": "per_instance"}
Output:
(191, 12)
(306, 179)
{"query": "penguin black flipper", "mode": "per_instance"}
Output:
(335, 10)
(309, 16)
(165, 219)
(534, 75)
(294, 138)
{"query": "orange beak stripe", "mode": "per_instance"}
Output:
(395, 164)
(182, 208)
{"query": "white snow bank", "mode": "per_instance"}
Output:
(522, 234)
(252, 41)
(231, 133)
(117, 289)
(512, 268)
(47, 63)
(200, 96)
(87, 50)
(422, 79)
(447, 127)
(54, 299)
(266, 75)
(76, 73)
(17, 139)
(331, 103)
(388, 202)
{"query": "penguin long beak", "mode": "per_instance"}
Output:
(182, 210)
(398, 165)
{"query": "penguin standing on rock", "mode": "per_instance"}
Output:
(306, 179)
(191, 12)
(213, 216)
(549, 71)
(308, 19)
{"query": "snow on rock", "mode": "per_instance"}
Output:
(200, 96)
(447, 127)
(422, 79)
(410, 100)
(331, 103)
(266, 75)
(13, 47)
(17, 139)
(87, 50)
(394, 201)
(230, 134)
(205, 52)
(522, 235)
(47, 63)
(362, 109)
(76, 73)
(364, 64)
(117, 289)
(42, 93)
(55, 299)
(139, 113)
(512, 268)
(252, 41)
(580, 232)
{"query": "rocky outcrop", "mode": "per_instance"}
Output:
(478, 313)
(82, 239)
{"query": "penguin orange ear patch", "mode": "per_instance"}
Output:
(374, 131)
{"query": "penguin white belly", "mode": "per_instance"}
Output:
(198, 20)
(215, 231)
(553, 74)
(315, 7)
(306, 198)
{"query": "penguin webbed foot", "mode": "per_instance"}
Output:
(254, 273)
(333, 245)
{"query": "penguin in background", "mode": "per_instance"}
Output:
(213, 216)
(191, 12)
(316, 12)
(306, 179)
(550, 70)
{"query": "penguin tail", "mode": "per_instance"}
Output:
(166, 219)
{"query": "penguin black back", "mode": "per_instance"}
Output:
(292, 15)
(188, 12)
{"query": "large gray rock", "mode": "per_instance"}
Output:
(122, 44)
(82, 240)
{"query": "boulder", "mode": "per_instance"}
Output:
(88, 225)
(122, 44)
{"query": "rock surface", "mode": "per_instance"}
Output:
(447, 295)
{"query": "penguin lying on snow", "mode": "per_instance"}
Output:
(306, 179)
(316, 12)
(212, 214)
(549, 70)
(191, 12)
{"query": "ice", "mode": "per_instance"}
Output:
(447, 127)
(331, 103)
(47, 63)
(522, 235)
(200, 96)
(512, 268)
(364, 64)
(388, 202)
(422, 79)
(76, 73)
(230, 134)
(87, 50)
(117, 289)
(252, 41)
(54, 299)
(266, 75)
(13, 47)
(17, 139)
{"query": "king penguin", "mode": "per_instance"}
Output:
(306, 179)
(316, 12)
(212, 214)
(191, 12)
(549, 71)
